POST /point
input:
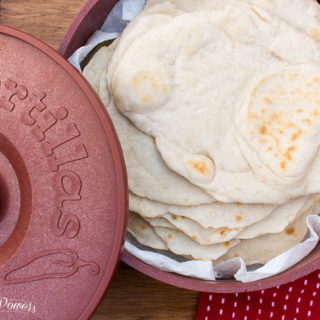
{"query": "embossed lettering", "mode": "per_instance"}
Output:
(69, 134)
(68, 187)
(31, 106)
(61, 113)
(8, 89)
(79, 153)
(67, 225)
(46, 122)
(57, 141)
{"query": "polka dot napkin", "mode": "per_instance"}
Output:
(297, 300)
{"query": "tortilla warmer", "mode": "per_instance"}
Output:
(63, 187)
(90, 19)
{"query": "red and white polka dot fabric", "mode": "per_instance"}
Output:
(297, 300)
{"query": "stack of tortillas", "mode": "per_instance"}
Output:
(217, 107)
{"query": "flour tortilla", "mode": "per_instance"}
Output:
(148, 176)
(203, 236)
(181, 244)
(232, 216)
(154, 14)
(190, 123)
(301, 14)
(168, 224)
(144, 233)
(215, 215)
(97, 67)
(278, 220)
(147, 173)
(264, 248)
(280, 121)
(159, 222)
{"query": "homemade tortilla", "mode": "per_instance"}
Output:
(189, 124)
(249, 141)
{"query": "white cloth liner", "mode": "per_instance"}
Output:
(124, 11)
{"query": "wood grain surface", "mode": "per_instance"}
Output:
(131, 294)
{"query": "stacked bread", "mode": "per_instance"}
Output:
(217, 107)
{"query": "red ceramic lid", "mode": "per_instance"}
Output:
(62, 186)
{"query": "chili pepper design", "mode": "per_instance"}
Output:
(60, 263)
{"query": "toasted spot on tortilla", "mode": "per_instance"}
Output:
(293, 75)
(287, 154)
(276, 140)
(283, 165)
(290, 124)
(292, 148)
(296, 135)
(223, 231)
(200, 166)
(143, 227)
(164, 87)
(174, 217)
(307, 121)
(267, 100)
(135, 81)
(185, 199)
(314, 32)
(194, 237)
(275, 117)
(262, 141)
(252, 115)
(263, 129)
(289, 231)
(299, 110)
(146, 98)
(238, 217)
(226, 244)
(169, 236)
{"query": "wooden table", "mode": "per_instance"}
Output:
(131, 295)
